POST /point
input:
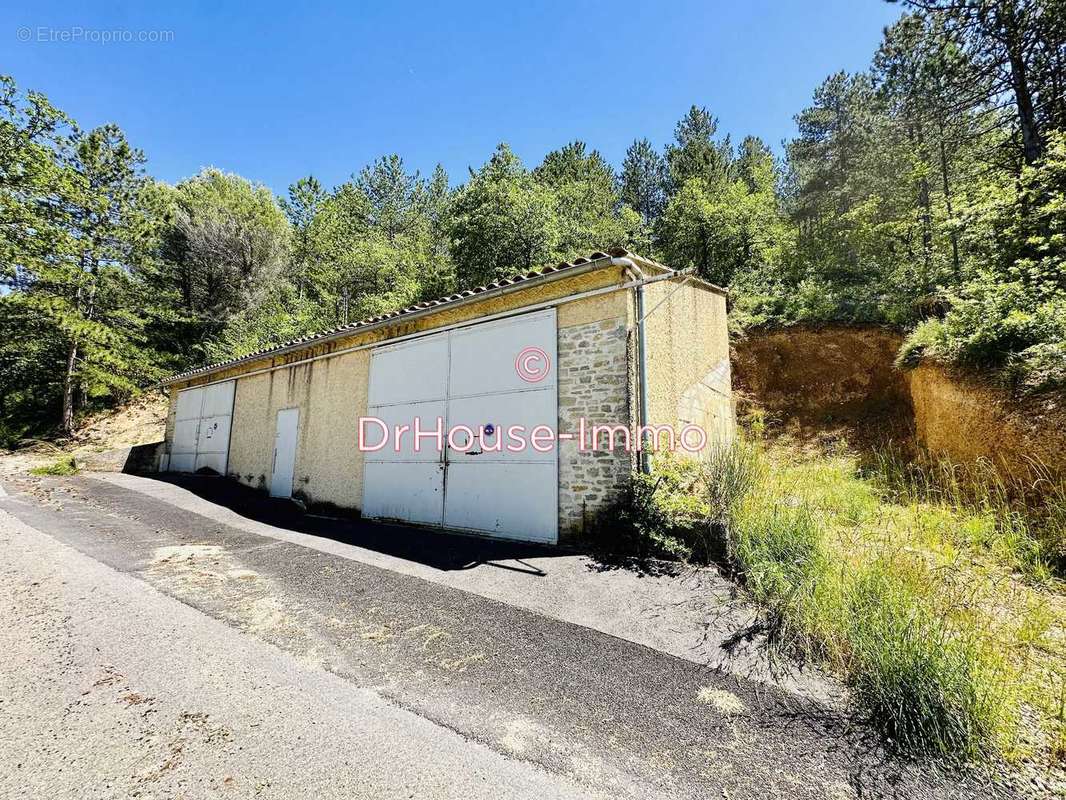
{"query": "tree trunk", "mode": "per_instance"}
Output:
(1032, 145)
(67, 422)
(925, 206)
(947, 202)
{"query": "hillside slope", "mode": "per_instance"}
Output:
(142, 421)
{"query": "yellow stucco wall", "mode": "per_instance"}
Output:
(331, 393)
(687, 348)
(687, 344)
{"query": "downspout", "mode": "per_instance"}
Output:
(637, 274)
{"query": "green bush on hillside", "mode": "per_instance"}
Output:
(1010, 317)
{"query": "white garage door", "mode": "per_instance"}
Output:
(202, 427)
(468, 377)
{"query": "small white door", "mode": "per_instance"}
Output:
(284, 452)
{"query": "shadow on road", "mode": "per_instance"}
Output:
(443, 550)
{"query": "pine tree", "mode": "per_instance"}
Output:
(1018, 51)
(695, 154)
(302, 205)
(643, 181)
(81, 287)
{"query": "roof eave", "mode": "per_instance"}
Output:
(499, 291)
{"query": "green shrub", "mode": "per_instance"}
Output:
(779, 554)
(64, 466)
(927, 339)
(663, 514)
(1040, 367)
(685, 507)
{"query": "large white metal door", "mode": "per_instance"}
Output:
(468, 377)
(513, 494)
(285, 437)
(203, 419)
(407, 381)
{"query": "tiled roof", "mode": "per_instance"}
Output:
(341, 330)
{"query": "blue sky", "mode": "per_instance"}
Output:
(277, 90)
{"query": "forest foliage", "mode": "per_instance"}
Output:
(927, 192)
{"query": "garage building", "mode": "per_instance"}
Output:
(614, 339)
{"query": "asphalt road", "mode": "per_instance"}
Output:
(151, 651)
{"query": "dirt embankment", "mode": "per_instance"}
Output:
(141, 421)
(106, 441)
(841, 379)
(825, 380)
(966, 419)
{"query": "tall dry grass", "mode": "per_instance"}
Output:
(910, 586)
(1027, 506)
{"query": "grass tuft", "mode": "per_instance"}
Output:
(925, 585)
(1024, 515)
(64, 466)
(930, 687)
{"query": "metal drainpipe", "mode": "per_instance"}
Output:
(642, 358)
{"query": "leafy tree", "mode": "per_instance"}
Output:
(504, 221)
(849, 193)
(438, 278)
(571, 164)
(225, 243)
(376, 243)
(755, 166)
(1011, 315)
(31, 239)
(917, 67)
(379, 234)
(32, 132)
(730, 231)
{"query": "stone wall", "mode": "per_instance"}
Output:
(593, 374)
